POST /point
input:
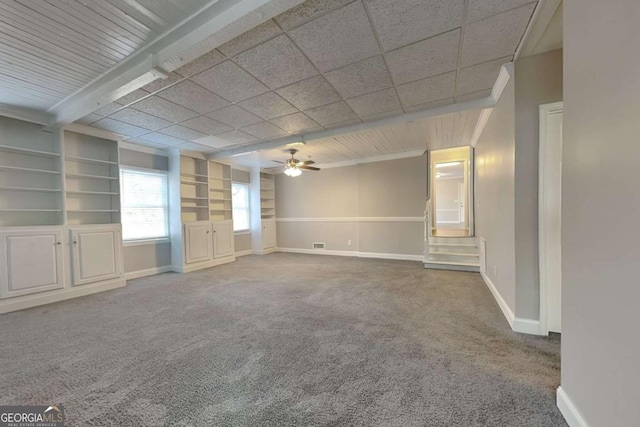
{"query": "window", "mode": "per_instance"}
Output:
(145, 209)
(240, 200)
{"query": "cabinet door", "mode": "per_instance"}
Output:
(197, 241)
(30, 262)
(222, 239)
(96, 254)
(268, 234)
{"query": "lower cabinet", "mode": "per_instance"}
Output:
(197, 242)
(31, 261)
(269, 233)
(95, 254)
(223, 238)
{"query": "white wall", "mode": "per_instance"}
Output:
(600, 289)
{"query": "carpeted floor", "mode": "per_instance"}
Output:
(283, 340)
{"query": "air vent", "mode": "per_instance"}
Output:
(318, 245)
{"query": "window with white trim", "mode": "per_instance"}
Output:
(240, 201)
(144, 204)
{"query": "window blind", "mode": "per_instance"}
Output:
(144, 204)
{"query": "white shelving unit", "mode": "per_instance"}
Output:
(220, 208)
(267, 196)
(194, 204)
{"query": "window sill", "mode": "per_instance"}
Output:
(145, 242)
(241, 232)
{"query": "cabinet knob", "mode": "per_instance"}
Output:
(58, 243)
(75, 242)
(207, 231)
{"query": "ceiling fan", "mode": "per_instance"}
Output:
(293, 167)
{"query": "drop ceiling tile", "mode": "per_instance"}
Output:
(133, 96)
(138, 118)
(332, 113)
(190, 146)
(479, 9)
(251, 38)
(119, 127)
(429, 105)
(234, 116)
(307, 11)
(164, 109)
(340, 124)
(295, 123)
(276, 63)
(108, 109)
(201, 63)
(309, 93)
(369, 75)
(375, 103)
(160, 138)
(382, 115)
(193, 96)
(139, 141)
(338, 38)
(158, 84)
(264, 130)
(268, 106)
(399, 23)
(230, 81)
(237, 137)
(495, 37)
(480, 77)
(182, 132)
(427, 58)
(88, 119)
(427, 90)
(206, 125)
(474, 95)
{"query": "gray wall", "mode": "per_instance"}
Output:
(339, 196)
(600, 291)
(151, 255)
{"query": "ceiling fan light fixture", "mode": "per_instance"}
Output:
(292, 171)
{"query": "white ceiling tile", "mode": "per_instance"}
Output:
(332, 113)
(138, 118)
(146, 143)
(88, 119)
(432, 104)
(399, 23)
(230, 81)
(108, 109)
(119, 127)
(474, 95)
(480, 77)
(251, 38)
(193, 96)
(190, 146)
(182, 132)
(307, 11)
(309, 93)
(375, 103)
(427, 58)
(295, 123)
(164, 109)
(383, 115)
(427, 90)
(216, 142)
(133, 96)
(234, 116)
(495, 37)
(338, 38)
(264, 130)
(201, 63)
(369, 75)
(340, 124)
(268, 106)
(158, 84)
(206, 125)
(236, 137)
(479, 9)
(160, 138)
(276, 63)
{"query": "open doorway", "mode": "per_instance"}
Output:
(451, 194)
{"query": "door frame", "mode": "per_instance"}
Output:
(546, 111)
(469, 182)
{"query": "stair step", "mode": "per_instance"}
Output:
(469, 254)
(469, 245)
(456, 266)
(466, 264)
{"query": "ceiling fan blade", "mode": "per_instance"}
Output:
(309, 168)
(307, 162)
(278, 162)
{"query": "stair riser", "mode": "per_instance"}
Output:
(454, 249)
(453, 258)
(467, 240)
(451, 267)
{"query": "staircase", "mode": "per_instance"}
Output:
(452, 253)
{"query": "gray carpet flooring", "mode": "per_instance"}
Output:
(284, 340)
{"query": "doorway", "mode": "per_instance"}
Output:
(549, 217)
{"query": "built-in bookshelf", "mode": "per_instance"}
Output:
(92, 179)
(267, 196)
(194, 188)
(30, 176)
(220, 207)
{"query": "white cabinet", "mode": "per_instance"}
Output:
(222, 239)
(95, 253)
(197, 242)
(269, 233)
(30, 261)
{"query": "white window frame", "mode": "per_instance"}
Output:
(245, 230)
(140, 242)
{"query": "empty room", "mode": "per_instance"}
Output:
(319, 212)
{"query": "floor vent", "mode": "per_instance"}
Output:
(318, 245)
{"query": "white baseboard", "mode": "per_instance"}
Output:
(265, 251)
(188, 268)
(526, 326)
(148, 272)
(243, 253)
(401, 257)
(569, 410)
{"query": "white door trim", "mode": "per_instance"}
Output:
(546, 110)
